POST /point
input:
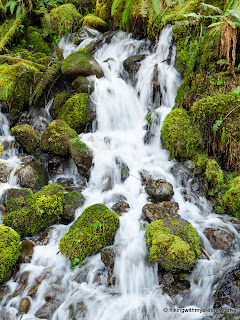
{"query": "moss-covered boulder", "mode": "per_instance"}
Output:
(95, 22)
(214, 173)
(9, 250)
(82, 156)
(81, 63)
(94, 230)
(231, 198)
(77, 111)
(16, 83)
(159, 190)
(64, 19)
(72, 201)
(55, 139)
(179, 136)
(83, 85)
(26, 137)
(173, 244)
(32, 175)
(28, 214)
(58, 103)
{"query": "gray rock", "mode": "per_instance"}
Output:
(120, 207)
(32, 175)
(162, 210)
(219, 239)
(159, 190)
(72, 201)
(46, 311)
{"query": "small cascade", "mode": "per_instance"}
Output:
(120, 136)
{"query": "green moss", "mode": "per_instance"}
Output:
(95, 22)
(94, 230)
(28, 214)
(75, 111)
(64, 19)
(26, 136)
(58, 103)
(1, 149)
(56, 137)
(16, 82)
(179, 135)
(171, 252)
(36, 41)
(232, 198)
(5, 26)
(9, 250)
(214, 173)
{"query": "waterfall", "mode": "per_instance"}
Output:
(121, 109)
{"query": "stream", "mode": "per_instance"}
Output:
(121, 134)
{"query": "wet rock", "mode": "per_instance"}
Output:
(58, 103)
(4, 290)
(190, 164)
(118, 197)
(162, 210)
(26, 251)
(26, 137)
(81, 63)
(33, 290)
(95, 23)
(5, 170)
(54, 292)
(77, 311)
(84, 33)
(219, 239)
(55, 139)
(123, 168)
(145, 176)
(25, 305)
(132, 65)
(82, 156)
(173, 284)
(46, 311)
(227, 290)
(32, 175)
(72, 201)
(120, 207)
(159, 190)
(43, 275)
(22, 279)
(108, 256)
(83, 85)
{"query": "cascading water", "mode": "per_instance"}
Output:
(121, 111)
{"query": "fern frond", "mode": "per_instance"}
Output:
(209, 6)
(115, 5)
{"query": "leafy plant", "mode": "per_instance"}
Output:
(77, 263)
(98, 225)
(19, 5)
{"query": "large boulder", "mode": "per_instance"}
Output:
(9, 250)
(81, 63)
(83, 85)
(173, 244)
(64, 19)
(77, 111)
(55, 139)
(72, 201)
(28, 214)
(32, 175)
(26, 137)
(162, 210)
(94, 230)
(82, 156)
(95, 22)
(58, 103)
(159, 190)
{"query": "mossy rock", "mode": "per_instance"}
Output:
(16, 83)
(95, 22)
(81, 63)
(179, 136)
(9, 251)
(174, 244)
(83, 85)
(64, 19)
(214, 173)
(26, 137)
(231, 198)
(217, 117)
(77, 111)
(32, 175)
(82, 156)
(28, 214)
(94, 230)
(72, 201)
(58, 103)
(55, 139)
(159, 190)
(36, 42)
(1, 149)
